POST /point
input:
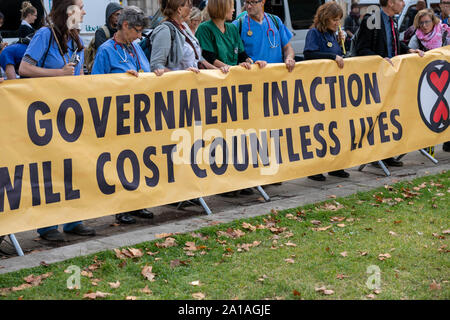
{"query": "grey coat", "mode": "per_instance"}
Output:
(167, 47)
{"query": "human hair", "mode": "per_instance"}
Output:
(134, 16)
(195, 14)
(354, 5)
(59, 16)
(2, 16)
(27, 8)
(424, 13)
(383, 3)
(326, 12)
(217, 9)
(171, 7)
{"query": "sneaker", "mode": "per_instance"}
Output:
(391, 162)
(125, 218)
(53, 235)
(143, 213)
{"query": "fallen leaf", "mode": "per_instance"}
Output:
(435, 286)
(363, 253)
(341, 276)
(371, 296)
(195, 283)
(248, 226)
(296, 293)
(383, 256)
(324, 290)
(163, 235)
(198, 296)
(147, 273)
(341, 225)
(322, 229)
(316, 222)
(344, 253)
(146, 290)
(446, 231)
(87, 274)
(169, 242)
(290, 244)
(114, 285)
(130, 298)
(392, 233)
(289, 260)
(95, 295)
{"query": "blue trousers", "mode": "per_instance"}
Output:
(67, 227)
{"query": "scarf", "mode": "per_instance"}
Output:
(433, 39)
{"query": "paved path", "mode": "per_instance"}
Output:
(168, 219)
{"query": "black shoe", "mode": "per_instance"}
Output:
(231, 194)
(246, 192)
(318, 177)
(82, 230)
(339, 173)
(446, 146)
(143, 213)
(125, 218)
(53, 235)
(391, 162)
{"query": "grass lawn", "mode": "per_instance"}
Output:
(390, 243)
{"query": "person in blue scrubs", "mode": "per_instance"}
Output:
(322, 43)
(10, 59)
(265, 37)
(121, 55)
(43, 58)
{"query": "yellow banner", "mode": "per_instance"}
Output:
(76, 148)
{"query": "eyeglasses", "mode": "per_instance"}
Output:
(253, 3)
(138, 31)
(422, 23)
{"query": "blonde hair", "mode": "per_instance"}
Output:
(195, 14)
(326, 12)
(423, 13)
(217, 9)
(27, 8)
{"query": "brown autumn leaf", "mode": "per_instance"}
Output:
(169, 242)
(163, 235)
(190, 246)
(322, 229)
(363, 253)
(289, 260)
(384, 256)
(397, 221)
(147, 273)
(131, 298)
(344, 254)
(446, 231)
(88, 274)
(392, 233)
(341, 276)
(341, 225)
(146, 290)
(135, 253)
(290, 244)
(324, 290)
(114, 285)
(95, 295)
(36, 280)
(296, 293)
(371, 296)
(21, 287)
(231, 233)
(435, 286)
(337, 219)
(316, 222)
(248, 226)
(199, 235)
(198, 296)
(152, 253)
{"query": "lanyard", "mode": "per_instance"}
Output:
(125, 58)
(269, 30)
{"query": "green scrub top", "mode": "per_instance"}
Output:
(227, 46)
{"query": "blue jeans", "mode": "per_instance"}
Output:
(67, 227)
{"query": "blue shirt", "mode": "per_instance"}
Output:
(112, 57)
(39, 44)
(317, 41)
(264, 44)
(12, 54)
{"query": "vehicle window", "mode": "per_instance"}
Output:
(302, 12)
(275, 7)
(409, 18)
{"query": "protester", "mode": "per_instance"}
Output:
(430, 32)
(158, 17)
(409, 33)
(120, 55)
(112, 13)
(174, 47)
(384, 41)
(264, 36)
(10, 59)
(2, 44)
(322, 43)
(102, 34)
(351, 24)
(220, 41)
(445, 11)
(43, 58)
(195, 18)
(29, 16)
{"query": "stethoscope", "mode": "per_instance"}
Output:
(125, 59)
(272, 44)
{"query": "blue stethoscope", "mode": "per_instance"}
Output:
(272, 44)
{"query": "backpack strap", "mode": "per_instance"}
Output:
(274, 19)
(107, 33)
(444, 38)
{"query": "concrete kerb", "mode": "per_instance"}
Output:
(191, 224)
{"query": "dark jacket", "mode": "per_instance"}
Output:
(25, 30)
(100, 36)
(374, 42)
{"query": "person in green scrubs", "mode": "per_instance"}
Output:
(220, 40)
